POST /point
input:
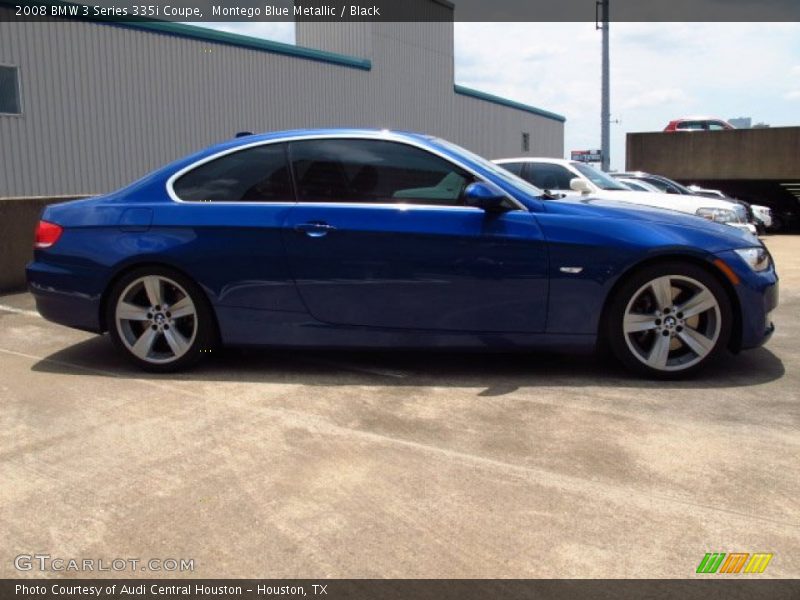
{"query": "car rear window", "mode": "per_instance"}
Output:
(691, 125)
(258, 174)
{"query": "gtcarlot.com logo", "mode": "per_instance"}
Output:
(734, 562)
(45, 562)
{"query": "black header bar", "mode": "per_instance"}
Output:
(404, 10)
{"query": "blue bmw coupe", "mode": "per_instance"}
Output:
(369, 238)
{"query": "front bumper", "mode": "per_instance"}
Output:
(757, 294)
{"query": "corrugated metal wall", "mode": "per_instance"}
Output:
(103, 105)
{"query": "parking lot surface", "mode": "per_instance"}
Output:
(345, 464)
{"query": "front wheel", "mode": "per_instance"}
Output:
(160, 318)
(668, 320)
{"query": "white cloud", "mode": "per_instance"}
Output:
(543, 64)
(792, 95)
(656, 98)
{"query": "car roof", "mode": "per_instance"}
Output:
(243, 141)
(532, 159)
(699, 118)
(332, 131)
(635, 180)
(632, 174)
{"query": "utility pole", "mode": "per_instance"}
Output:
(605, 102)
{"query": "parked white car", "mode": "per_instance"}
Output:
(572, 178)
(762, 213)
(701, 191)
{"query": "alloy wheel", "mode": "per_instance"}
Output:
(156, 319)
(672, 323)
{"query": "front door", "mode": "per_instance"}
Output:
(380, 237)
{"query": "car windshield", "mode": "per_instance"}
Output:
(497, 170)
(600, 179)
(639, 186)
(669, 182)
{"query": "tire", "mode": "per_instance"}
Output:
(669, 339)
(161, 319)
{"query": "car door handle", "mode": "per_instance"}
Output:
(314, 229)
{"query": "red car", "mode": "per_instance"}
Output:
(698, 124)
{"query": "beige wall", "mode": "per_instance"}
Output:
(18, 219)
(746, 154)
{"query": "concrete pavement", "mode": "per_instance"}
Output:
(332, 464)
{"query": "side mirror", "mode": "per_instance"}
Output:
(580, 185)
(484, 195)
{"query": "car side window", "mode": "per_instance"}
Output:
(668, 188)
(634, 185)
(258, 174)
(657, 183)
(549, 177)
(515, 168)
(374, 171)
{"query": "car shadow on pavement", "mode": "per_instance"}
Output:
(498, 373)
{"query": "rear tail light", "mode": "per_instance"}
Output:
(47, 234)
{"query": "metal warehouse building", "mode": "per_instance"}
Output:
(87, 106)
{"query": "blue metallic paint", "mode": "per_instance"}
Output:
(388, 275)
(433, 268)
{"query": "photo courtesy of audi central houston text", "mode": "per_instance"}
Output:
(427, 299)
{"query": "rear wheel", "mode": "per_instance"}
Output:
(160, 318)
(669, 320)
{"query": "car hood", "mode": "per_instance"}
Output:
(599, 208)
(687, 204)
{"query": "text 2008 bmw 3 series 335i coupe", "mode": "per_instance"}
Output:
(367, 238)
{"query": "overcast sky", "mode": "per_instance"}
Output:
(659, 71)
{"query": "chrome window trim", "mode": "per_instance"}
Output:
(378, 136)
